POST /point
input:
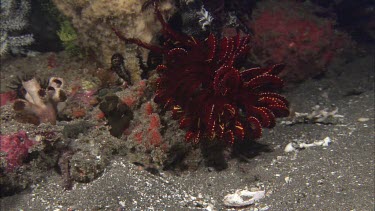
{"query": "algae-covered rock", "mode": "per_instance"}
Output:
(93, 21)
(92, 153)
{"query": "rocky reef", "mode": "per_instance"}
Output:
(201, 100)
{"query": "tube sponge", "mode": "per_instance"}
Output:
(40, 105)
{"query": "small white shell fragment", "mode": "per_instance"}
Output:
(288, 180)
(326, 141)
(38, 138)
(289, 148)
(243, 198)
(363, 119)
(296, 146)
(122, 203)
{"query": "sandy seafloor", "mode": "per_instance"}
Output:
(337, 177)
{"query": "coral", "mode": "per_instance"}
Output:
(202, 84)
(16, 148)
(287, 31)
(13, 18)
(40, 103)
(93, 20)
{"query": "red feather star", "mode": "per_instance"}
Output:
(211, 98)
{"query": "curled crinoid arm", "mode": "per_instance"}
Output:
(251, 73)
(227, 83)
(264, 115)
(211, 42)
(265, 81)
(175, 55)
(167, 31)
(239, 130)
(279, 110)
(274, 95)
(255, 127)
(138, 42)
(268, 101)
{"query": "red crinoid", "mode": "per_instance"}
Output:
(201, 84)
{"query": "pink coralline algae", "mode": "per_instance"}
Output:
(7, 97)
(15, 148)
(133, 94)
(146, 131)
